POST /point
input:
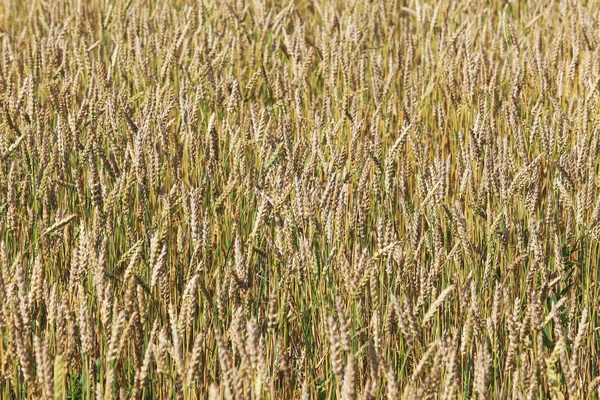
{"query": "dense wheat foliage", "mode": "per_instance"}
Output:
(313, 199)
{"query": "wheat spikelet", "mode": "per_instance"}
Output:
(433, 308)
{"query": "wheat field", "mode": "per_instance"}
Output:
(310, 199)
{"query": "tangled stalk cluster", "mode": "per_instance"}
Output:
(315, 199)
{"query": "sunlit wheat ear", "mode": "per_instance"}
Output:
(335, 349)
(433, 308)
(349, 384)
(40, 360)
(213, 392)
(482, 371)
